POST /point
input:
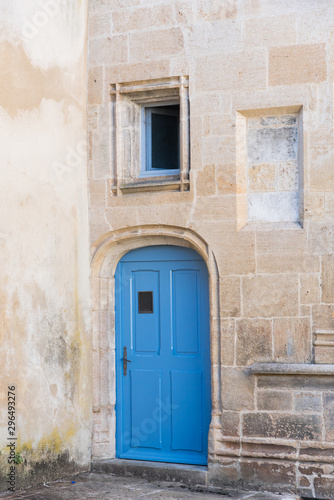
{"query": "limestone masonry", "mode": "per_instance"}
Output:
(252, 81)
(256, 201)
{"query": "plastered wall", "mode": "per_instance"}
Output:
(246, 60)
(44, 272)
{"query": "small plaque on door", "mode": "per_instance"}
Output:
(145, 302)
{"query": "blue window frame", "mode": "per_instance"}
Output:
(160, 140)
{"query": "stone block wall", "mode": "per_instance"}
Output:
(287, 426)
(260, 79)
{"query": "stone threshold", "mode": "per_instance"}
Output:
(291, 369)
(194, 477)
(190, 475)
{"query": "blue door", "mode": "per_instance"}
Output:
(163, 386)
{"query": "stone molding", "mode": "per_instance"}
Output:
(291, 369)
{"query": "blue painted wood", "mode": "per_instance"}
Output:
(163, 407)
(185, 293)
(145, 387)
(187, 394)
(146, 327)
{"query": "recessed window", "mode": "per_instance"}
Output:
(150, 134)
(161, 140)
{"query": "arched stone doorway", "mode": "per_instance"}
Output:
(107, 252)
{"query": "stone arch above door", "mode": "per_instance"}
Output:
(107, 252)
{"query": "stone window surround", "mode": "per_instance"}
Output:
(241, 165)
(107, 252)
(167, 90)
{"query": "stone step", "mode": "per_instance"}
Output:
(190, 475)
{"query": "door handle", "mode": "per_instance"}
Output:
(125, 361)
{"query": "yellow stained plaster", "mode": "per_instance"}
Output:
(70, 432)
(53, 442)
(57, 442)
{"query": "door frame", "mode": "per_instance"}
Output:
(107, 252)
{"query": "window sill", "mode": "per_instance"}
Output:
(144, 186)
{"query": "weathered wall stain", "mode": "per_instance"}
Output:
(44, 278)
(26, 90)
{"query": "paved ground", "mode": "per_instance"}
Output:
(106, 486)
